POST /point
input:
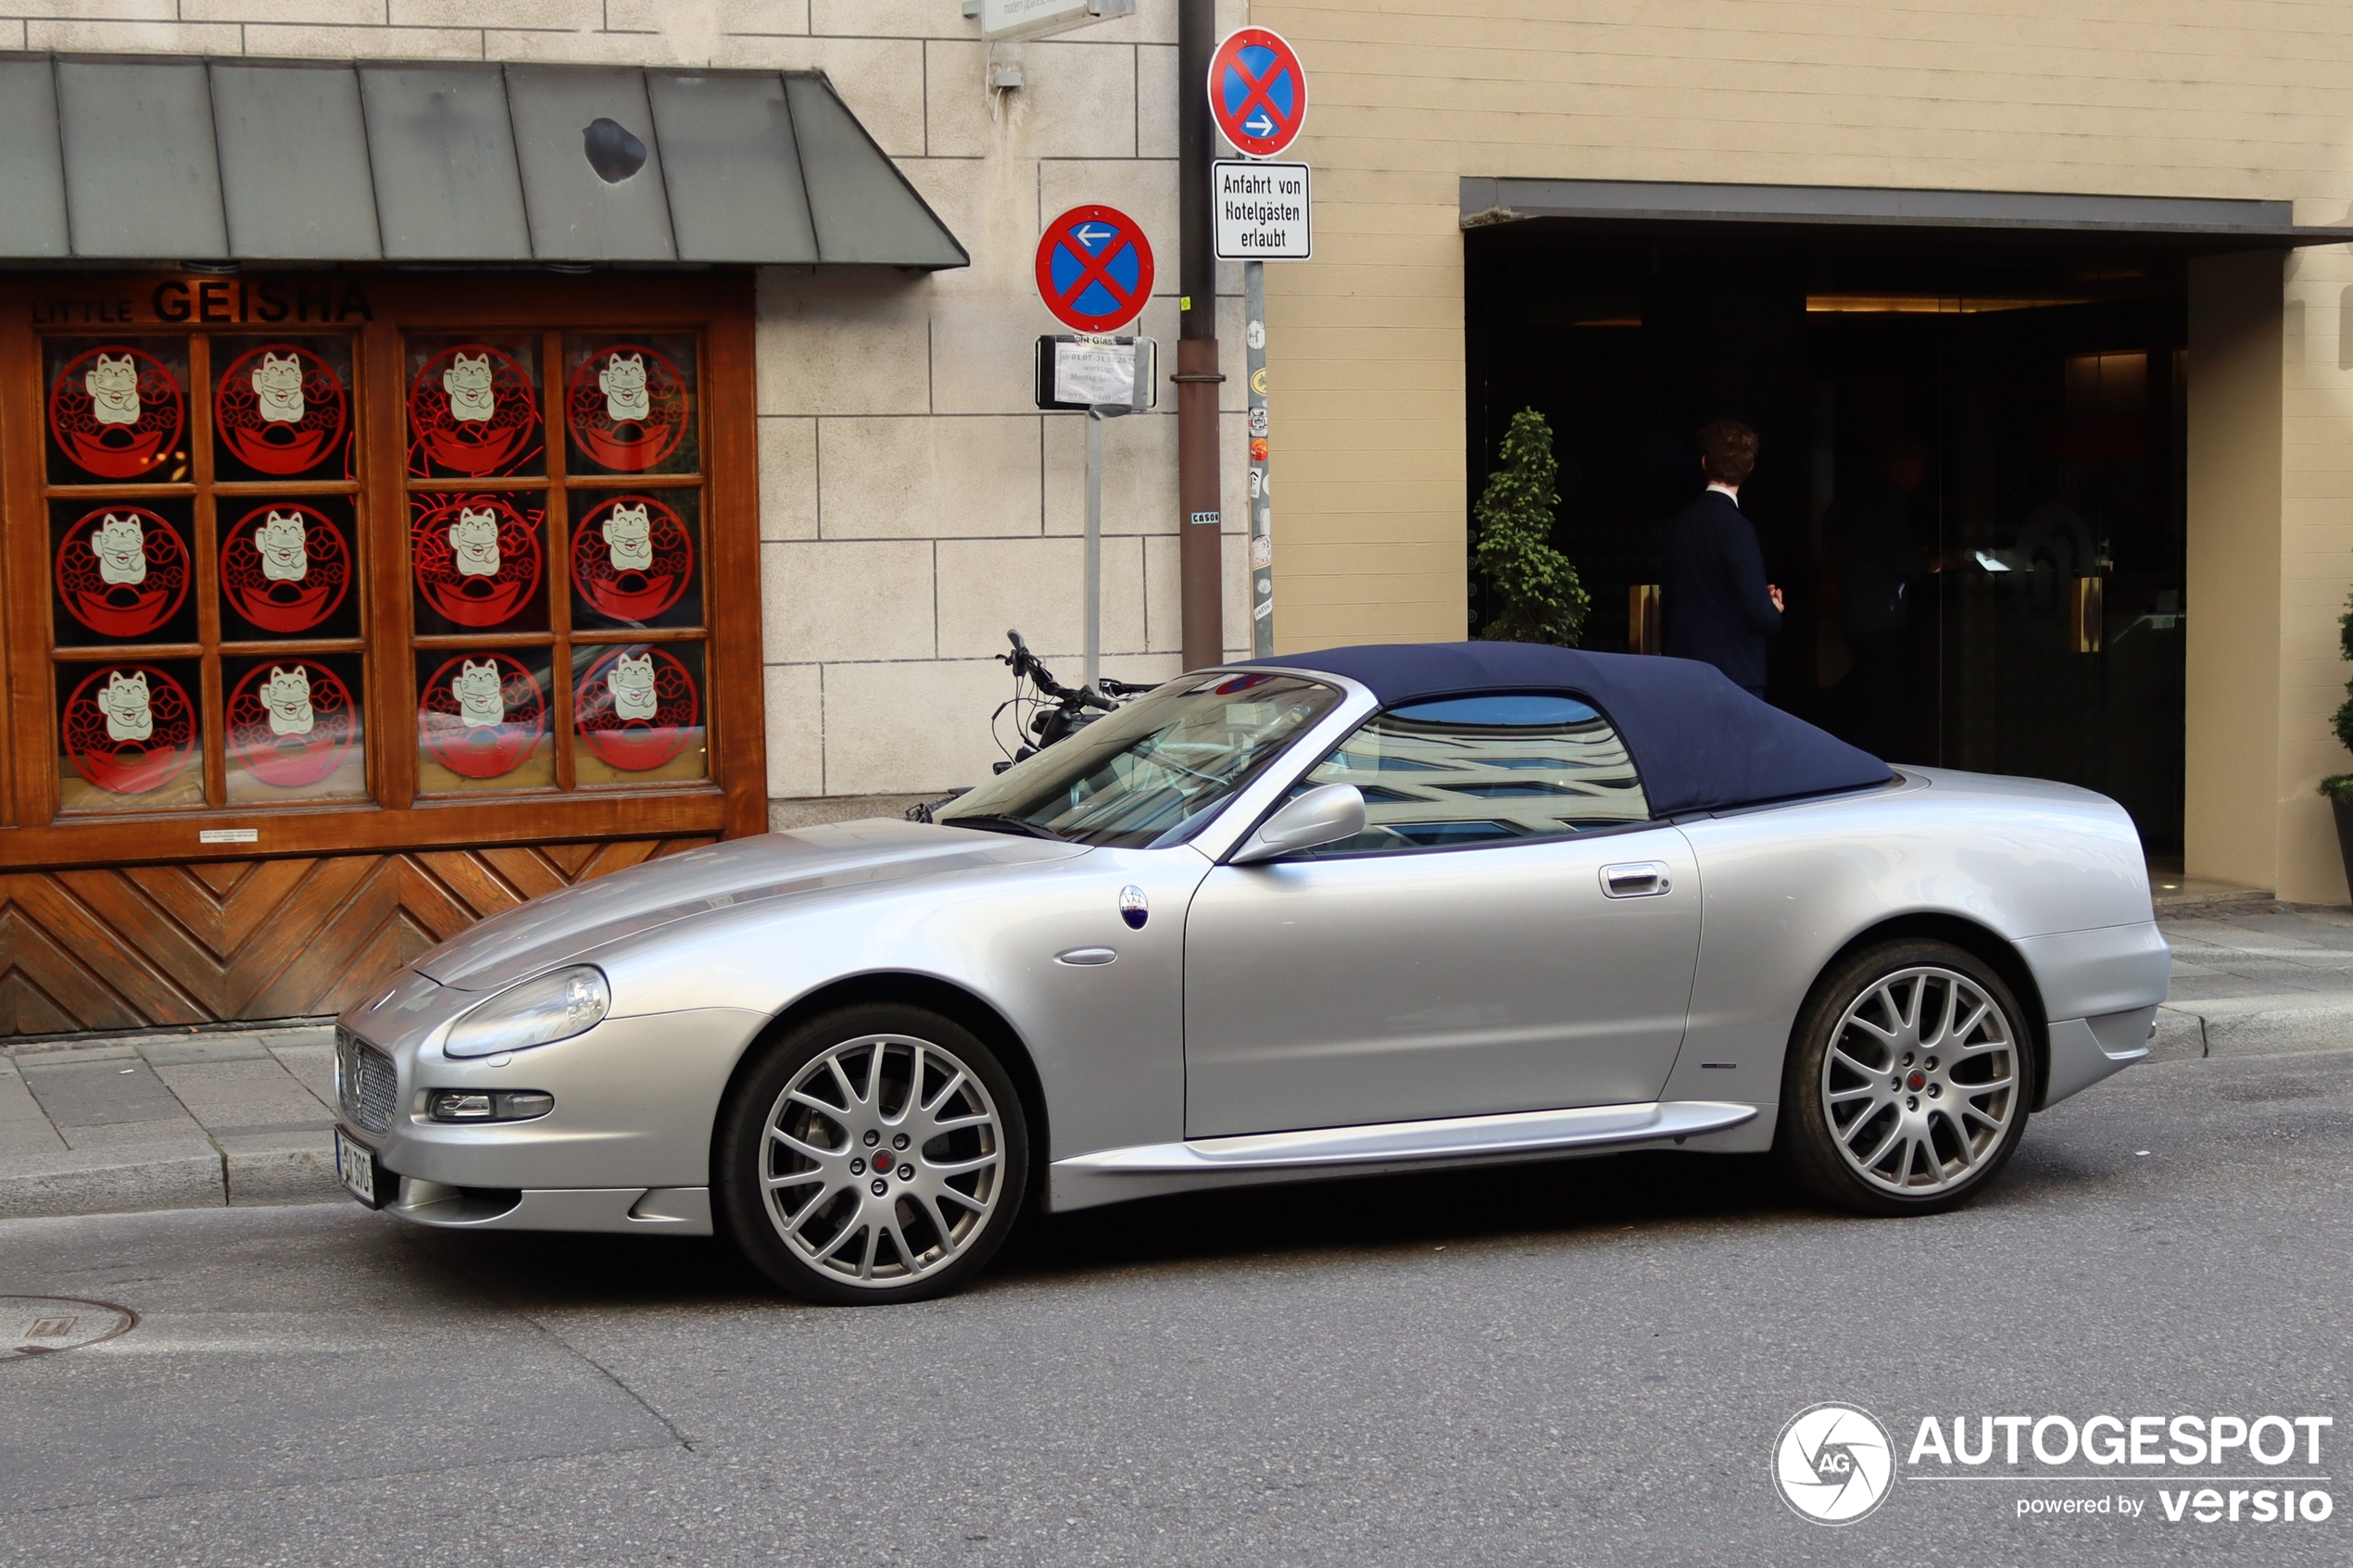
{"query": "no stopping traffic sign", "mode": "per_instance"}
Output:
(1257, 91)
(1094, 269)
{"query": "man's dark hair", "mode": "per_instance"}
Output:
(1727, 451)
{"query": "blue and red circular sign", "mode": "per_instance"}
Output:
(1094, 269)
(1257, 91)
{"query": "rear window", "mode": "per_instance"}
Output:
(1483, 769)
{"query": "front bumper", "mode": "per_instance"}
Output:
(626, 1148)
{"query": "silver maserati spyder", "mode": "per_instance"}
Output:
(1372, 909)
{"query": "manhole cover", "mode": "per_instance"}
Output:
(41, 1325)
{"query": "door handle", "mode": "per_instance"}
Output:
(1638, 879)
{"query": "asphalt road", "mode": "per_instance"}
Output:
(1583, 1362)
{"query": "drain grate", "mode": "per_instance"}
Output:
(43, 1326)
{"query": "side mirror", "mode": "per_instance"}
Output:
(1319, 817)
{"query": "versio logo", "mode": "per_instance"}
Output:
(1833, 1463)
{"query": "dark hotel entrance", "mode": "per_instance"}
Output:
(1970, 486)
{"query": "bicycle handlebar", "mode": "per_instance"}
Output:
(1025, 662)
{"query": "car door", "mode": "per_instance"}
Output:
(1510, 932)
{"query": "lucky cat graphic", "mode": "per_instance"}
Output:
(473, 541)
(124, 702)
(113, 386)
(468, 384)
(623, 382)
(481, 699)
(632, 681)
(284, 558)
(121, 548)
(278, 384)
(287, 695)
(629, 538)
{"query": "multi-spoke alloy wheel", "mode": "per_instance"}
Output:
(1920, 1081)
(876, 1155)
(1906, 1083)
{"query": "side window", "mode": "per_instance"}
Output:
(1483, 769)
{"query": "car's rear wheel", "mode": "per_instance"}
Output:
(875, 1154)
(1906, 1085)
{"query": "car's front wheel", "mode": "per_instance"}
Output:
(874, 1154)
(1906, 1089)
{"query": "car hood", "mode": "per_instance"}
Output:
(802, 863)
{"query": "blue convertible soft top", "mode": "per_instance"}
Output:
(1701, 743)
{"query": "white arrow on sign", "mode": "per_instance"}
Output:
(1259, 125)
(1092, 237)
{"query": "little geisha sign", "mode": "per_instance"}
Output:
(211, 302)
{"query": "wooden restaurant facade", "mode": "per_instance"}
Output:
(363, 582)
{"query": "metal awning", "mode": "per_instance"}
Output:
(2196, 223)
(130, 158)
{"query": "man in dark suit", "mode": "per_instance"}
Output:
(1719, 607)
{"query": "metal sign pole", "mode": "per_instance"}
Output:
(1094, 548)
(1262, 505)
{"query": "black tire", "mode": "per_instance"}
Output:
(1954, 1102)
(950, 1197)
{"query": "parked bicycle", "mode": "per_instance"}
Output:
(1044, 711)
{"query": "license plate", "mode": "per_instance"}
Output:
(356, 1163)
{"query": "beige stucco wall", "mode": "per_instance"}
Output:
(2157, 97)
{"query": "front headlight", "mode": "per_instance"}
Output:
(538, 1013)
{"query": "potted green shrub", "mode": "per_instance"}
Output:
(1534, 593)
(2339, 788)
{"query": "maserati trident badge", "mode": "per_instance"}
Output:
(1132, 908)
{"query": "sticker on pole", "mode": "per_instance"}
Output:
(1257, 92)
(1094, 269)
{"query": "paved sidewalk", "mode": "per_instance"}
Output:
(199, 1120)
(2256, 978)
(166, 1120)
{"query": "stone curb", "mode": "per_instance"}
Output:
(183, 1174)
(247, 1170)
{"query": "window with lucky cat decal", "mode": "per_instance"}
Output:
(474, 409)
(288, 568)
(630, 403)
(477, 561)
(636, 560)
(638, 712)
(118, 412)
(120, 572)
(282, 409)
(484, 718)
(129, 735)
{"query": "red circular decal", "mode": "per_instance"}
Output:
(627, 406)
(123, 571)
(477, 558)
(280, 408)
(482, 717)
(636, 710)
(116, 412)
(470, 409)
(631, 557)
(130, 730)
(291, 724)
(285, 567)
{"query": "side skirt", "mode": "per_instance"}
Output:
(1112, 1175)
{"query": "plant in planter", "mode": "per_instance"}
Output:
(2340, 787)
(1534, 590)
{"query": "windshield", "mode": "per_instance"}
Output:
(1151, 772)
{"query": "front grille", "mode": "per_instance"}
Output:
(365, 1083)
